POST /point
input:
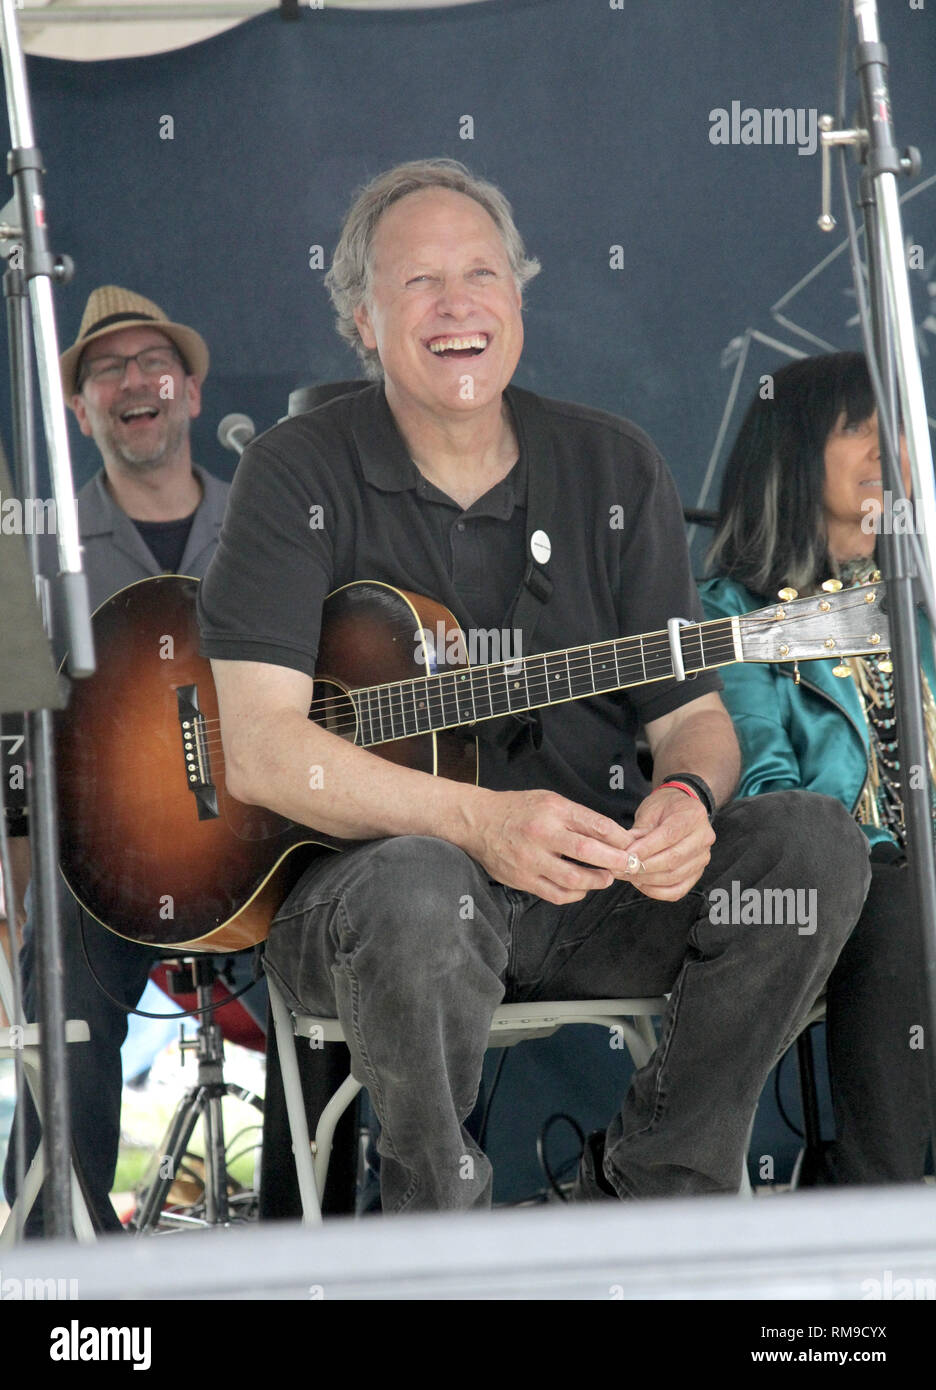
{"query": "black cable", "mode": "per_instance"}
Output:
(241, 1153)
(486, 1114)
(840, 64)
(142, 1013)
(551, 1177)
(245, 1129)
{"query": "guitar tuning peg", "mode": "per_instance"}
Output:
(874, 577)
(886, 666)
(843, 672)
(832, 586)
(787, 595)
(796, 673)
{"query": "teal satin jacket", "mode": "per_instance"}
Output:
(812, 735)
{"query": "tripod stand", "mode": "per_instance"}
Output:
(201, 1102)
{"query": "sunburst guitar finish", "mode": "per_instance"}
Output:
(152, 843)
(156, 848)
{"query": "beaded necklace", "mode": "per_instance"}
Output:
(881, 803)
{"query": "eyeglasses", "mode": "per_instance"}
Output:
(154, 361)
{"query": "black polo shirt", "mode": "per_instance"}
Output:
(332, 496)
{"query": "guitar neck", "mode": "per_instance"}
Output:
(451, 699)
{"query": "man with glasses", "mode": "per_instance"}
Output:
(133, 379)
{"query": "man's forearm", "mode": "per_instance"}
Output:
(706, 745)
(310, 776)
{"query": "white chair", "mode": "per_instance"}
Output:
(512, 1023)
(24, 1042)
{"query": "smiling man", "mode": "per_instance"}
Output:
(446, 364)
(562, 874)
(133, 379)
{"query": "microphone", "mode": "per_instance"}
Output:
(236, 431)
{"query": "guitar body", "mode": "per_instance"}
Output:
(152, 844)
(155, 847)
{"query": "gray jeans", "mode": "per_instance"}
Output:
(411, 944)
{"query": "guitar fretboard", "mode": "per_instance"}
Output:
(449, 699)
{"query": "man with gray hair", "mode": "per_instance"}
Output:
(582, 881)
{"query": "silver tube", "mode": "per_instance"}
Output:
(866, 20)
(14, 77)
(909, 376)
(53, 414)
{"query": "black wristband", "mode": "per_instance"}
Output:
(700, 787)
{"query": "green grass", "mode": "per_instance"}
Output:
(145, 1119)
(133, 1165)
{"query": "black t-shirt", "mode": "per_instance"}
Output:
(332, 496)
(166, 540)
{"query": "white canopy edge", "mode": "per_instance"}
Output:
(90, 32)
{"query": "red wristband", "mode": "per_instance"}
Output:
(693, 786)
(683, 788)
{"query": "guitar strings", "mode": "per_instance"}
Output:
(432, 698)
(650, 649)
(535, 683)
(390, 706)
(578, 664)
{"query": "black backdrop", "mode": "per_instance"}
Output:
(596, 122)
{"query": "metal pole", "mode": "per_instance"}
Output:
(41, 267)
(46, 908)
(33, 276)
(895, 349)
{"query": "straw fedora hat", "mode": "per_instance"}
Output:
(110, 309)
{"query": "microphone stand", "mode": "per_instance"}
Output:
(31, 271)
(895, 370)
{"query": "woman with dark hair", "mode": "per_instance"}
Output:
(795, 511)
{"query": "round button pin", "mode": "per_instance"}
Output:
(540, 547)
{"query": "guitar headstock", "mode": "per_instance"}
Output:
(850, 622)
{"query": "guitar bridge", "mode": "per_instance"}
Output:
(195, 752)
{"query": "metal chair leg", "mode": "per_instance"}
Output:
(309, 1192)
(325, 1130)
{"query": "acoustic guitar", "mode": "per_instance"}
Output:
(156, 848)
